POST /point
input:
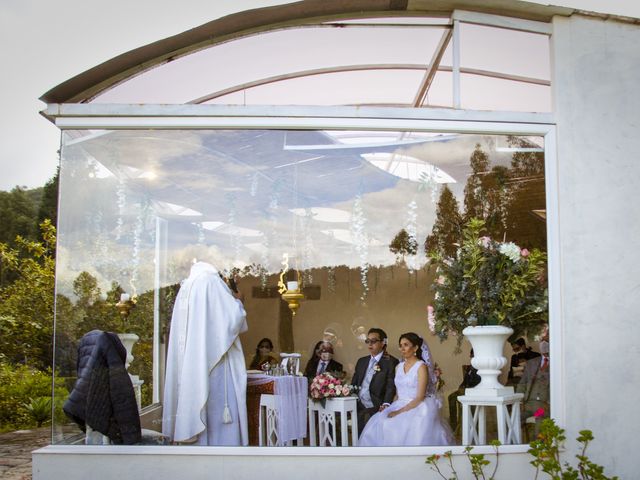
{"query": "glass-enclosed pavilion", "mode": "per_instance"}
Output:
(339, 141)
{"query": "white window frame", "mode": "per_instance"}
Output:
(186, 117)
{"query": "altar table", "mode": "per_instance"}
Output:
(290, 394)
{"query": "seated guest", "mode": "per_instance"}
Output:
(469, 380)
(374, 376)
(263, 358)
(322, 361)
(535, 386)
(521, 354)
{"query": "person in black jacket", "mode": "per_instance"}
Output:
(103, 396)
(469, 380)
(374, 377)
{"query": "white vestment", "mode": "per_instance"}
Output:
(205, 361)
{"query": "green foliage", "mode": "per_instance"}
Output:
(477, 461)
(546, 457)
(546, 452)
(26, 305)
(49, 204)
(489, 283)
(18, 386)
(40, 409)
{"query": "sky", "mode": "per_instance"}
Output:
(44, 43)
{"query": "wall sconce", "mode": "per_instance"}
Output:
(291, 291)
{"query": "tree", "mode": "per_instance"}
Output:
(447, 229)
(49, 202)
(474, 190)
(403, 244)
(26, 305)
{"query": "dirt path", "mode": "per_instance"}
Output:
(15, 451)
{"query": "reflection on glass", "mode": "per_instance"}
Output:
(353, 210)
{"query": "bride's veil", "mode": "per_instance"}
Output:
(428, 360)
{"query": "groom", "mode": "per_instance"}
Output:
(374, 375)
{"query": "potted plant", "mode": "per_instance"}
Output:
(488, 292)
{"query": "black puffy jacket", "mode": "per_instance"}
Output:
(103, 395)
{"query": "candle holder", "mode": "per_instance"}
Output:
(125, 305)
(291, 291)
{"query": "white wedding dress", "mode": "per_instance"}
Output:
(421, 425)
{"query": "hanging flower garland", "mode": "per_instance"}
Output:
(137, 243)
(253, 191)
(427, 182)
(331, 279)
(361, 243)
(231, 221)
(308, 246)
(412, 231)
(121, 202)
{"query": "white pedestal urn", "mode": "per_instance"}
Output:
(129, 340)
(488, 344)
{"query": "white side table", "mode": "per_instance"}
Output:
(326, 419)
(474, 423)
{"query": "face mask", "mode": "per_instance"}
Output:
(326, 356)
(544, 347)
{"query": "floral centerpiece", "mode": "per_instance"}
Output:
(489, 283)
(326, 385)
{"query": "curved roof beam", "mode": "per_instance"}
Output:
(355, 68)
(85, 86)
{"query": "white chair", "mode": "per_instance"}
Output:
(290, 363)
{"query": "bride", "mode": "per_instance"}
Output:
(414, 416)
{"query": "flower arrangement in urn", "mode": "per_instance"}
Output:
(325, 385)
(488, 283)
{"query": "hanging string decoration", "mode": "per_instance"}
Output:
(200, 233)
(361, 242)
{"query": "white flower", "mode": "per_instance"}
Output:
(510, 250)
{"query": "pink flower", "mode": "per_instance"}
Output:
(524, 252)
(539, 413)
(484, 241)
(440, 280)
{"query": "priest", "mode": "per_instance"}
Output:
(206, 380)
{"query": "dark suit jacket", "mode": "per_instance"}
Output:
(382, 387)
(312, 367)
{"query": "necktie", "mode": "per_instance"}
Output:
(545, 364)
(323, 366)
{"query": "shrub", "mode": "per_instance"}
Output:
(19, 384)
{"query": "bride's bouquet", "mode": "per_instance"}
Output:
(326, 385)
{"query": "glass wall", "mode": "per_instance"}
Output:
(351, 210)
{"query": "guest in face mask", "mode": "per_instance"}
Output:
(322, 361)
(264, 356)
